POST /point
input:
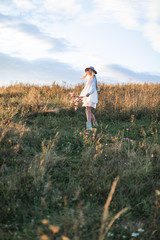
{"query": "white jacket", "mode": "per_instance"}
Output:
(90, 87)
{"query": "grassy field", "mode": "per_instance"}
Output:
(55, 176)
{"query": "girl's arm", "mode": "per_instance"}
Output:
(84, 75)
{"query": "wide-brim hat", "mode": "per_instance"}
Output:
(92, 68)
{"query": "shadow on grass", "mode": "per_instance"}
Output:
(105, 115)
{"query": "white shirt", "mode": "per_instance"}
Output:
(90, 87)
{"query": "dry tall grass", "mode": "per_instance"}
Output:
(103, 231)
(112, 98)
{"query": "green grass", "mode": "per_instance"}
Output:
(51, 168)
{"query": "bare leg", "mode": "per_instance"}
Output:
(88, 113)
(93, 117)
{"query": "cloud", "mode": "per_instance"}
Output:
(151, 30)
(68, 8)
(18, 43)
(143, 16)
(28, 41)
(6, 18)
(25, 4)
(124, 12)
(6, 7)
(124, 75)
(58, 44)
(42, 71)
(151, 9)
(32, 41)
(54, 9)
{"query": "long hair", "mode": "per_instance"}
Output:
(97, 84)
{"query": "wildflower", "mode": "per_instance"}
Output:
(54, 229)
(113, 140)
(45, 221)
(80, 133)
(41, 162)
(110, 234)
(54, 154)
(106, 144)
(140, 230)
(134, 234)
(75, 101)
(65, 238)
(44, 237)
(157, 192)
(72, 94)
(126, 139)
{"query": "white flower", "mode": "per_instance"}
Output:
(134, 234)
(110, 234)
(140, 230)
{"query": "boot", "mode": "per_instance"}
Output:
(88, 125)
(95, 124)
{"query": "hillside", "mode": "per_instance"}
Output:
(55, 176)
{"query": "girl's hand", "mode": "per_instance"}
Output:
(87, 95)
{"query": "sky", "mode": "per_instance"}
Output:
(47, 41)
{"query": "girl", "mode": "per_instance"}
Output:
(90, 96)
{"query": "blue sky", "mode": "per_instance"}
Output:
(46, 41)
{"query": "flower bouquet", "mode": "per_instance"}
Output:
(76, 100)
